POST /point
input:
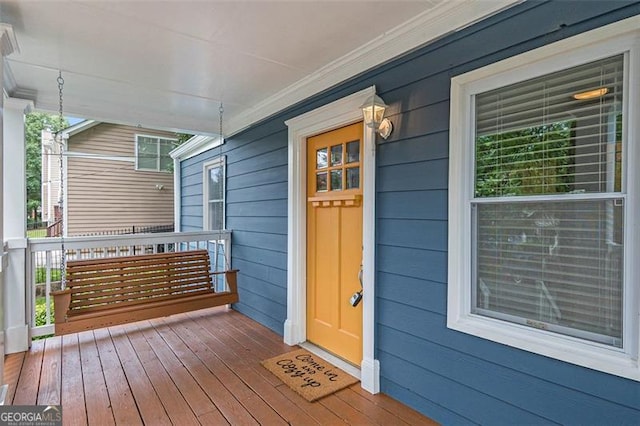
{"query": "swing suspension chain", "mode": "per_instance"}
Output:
(220, 113)
(59, 137)
(60, 87)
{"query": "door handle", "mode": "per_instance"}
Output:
(357, 296)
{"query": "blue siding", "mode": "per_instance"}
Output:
(452, 377)
(256, 212)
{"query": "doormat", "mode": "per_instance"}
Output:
(308, 374)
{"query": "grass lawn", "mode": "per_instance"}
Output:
(37, 233)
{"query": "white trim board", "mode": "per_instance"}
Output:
(96, 156)
(448, 17)
(79, 127)
(196, 145)
(328, 117)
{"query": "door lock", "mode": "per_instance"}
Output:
(356, 298)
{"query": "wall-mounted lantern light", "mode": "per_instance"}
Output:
(373, 111)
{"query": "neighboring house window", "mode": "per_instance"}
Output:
(152, 153)
(214, 193)
(540, 214)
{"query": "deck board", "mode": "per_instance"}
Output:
(97, 400)
(196, 338)
(117, 387)
(227, 403)
(172, 399)
(27, 389)
(149, 405)
(12, 368)
(197, 399)
(72, 386)
(196, 368)
(49, 389)
(250, 371)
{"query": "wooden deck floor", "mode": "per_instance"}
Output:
(197, 368)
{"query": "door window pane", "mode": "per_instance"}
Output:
(321, 158)
(353, 152)
(336, 180)
(321, 181)
(353, 178)
(336, 155)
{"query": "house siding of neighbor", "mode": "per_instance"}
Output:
(105, 192)
(452, 377)
(50, 189)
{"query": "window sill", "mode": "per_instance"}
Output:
(564, 348)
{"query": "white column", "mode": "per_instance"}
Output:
(15, 196)
(177, 195)
(8, 44)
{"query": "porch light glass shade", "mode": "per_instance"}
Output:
(373, 111)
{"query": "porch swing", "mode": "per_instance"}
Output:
(103, 292)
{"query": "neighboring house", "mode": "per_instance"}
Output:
(116, 178)
(50, 172)
(497, 227)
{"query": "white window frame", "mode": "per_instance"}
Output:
(217, 162)
(157, 138)
(621, 37)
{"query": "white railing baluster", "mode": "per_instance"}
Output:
(47, 288)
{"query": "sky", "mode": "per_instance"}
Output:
(74, 120)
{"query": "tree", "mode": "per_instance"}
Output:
(182, 138)
(35, 122)
(529, 161)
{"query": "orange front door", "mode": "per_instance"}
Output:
(334, 241)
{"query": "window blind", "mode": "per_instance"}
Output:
(534, 137)
(553, 264)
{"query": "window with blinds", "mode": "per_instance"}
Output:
(548, 206)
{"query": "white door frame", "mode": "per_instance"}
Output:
(337, 114)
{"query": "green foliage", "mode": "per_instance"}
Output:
(41, 311)
(41, 275)
(182, 138)
(35, 122)
(536, 160)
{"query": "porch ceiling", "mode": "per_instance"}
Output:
(168, 64)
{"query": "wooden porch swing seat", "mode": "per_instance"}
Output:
(118, 290)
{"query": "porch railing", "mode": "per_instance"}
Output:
(44, 258)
